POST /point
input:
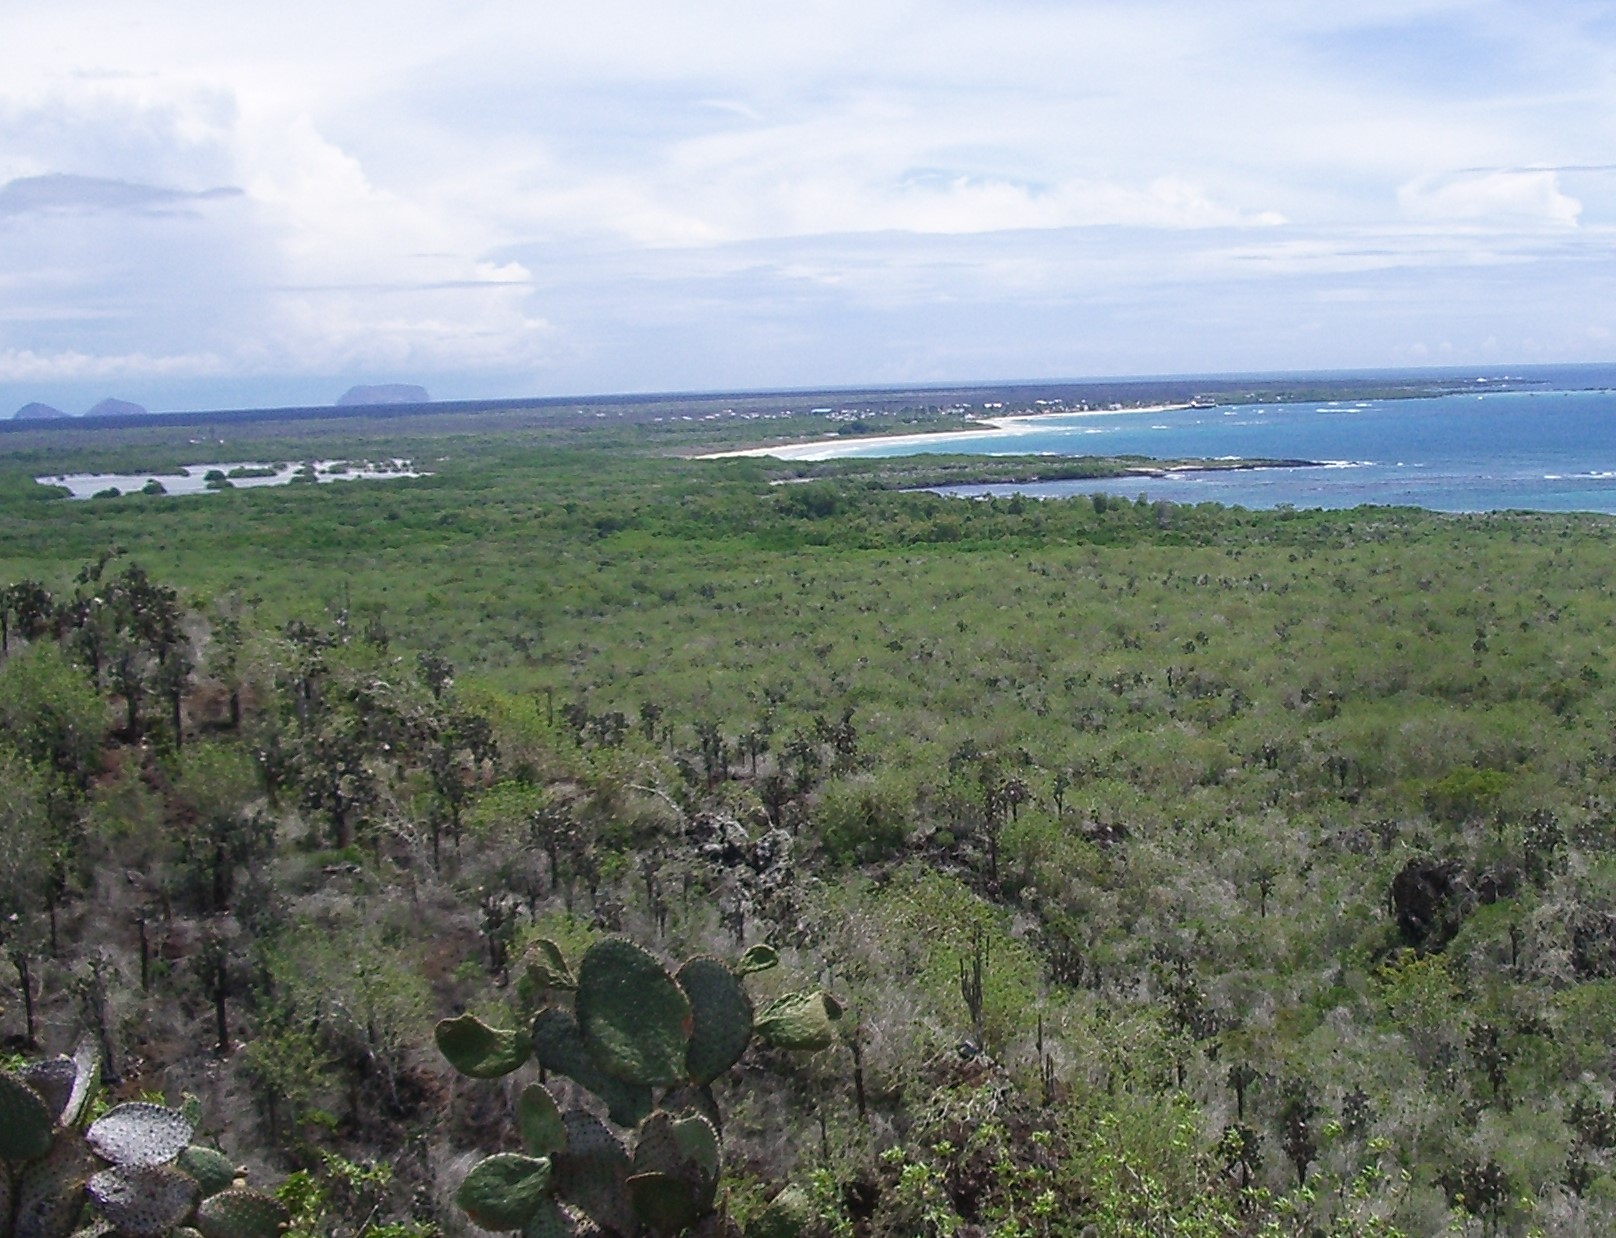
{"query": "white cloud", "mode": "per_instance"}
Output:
(489, 189)
(24, 365)
(1501, 197)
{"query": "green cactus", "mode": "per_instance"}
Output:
(757, 958)
(544, 967)
(505, 1191)
(473, 1048)
(211, 1169)
(553, 1220)
(135, 1165)
(538, 1119)
(635, 1018)
(241, 1212)
(685, 1147)
(693, 1098)
(676, 1166)
(664, 1203)
(25, 1121)
(592, 1173)
(722, 1019)
(804, 1020)
(632, 1027)
(558, 1044)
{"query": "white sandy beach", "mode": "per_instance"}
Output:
(998, 428)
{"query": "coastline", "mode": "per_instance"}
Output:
(835, 445)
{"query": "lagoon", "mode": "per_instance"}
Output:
(193, 478)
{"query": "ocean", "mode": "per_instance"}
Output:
(1537, 450)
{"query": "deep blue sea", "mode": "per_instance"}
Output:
(1542, 450)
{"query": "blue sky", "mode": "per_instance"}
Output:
(204, 206)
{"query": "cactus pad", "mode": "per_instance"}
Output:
(505, 1191)
(636, 1020)
(211, 1169)
(482, 1052)
(757, 958)
(143, 1201)
(666, 1204)
(7, 1194)
(539, 1120)
(591, 1172)
(87, 1073)
(550, 1221)
(53, 1079)
(545, 967)
(25, 1120)
(558, 1043)
(686, 1148)
(721, 1018)
(138, 1133)
(692, 1099)
(788, 1215)
(50, 1192)
(241, 1213)
(802, 1020)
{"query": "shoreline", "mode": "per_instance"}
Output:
(1008, 427)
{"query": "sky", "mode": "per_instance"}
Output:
(221, 206)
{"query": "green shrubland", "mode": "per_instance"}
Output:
(1184, 870)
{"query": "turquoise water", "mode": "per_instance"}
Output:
(1532, 450)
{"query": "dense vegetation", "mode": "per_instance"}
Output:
(1177, 870)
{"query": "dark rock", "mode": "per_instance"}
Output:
(1593, 944)
(771, 861)
(383, 393)
(1430, 899)
(718, 839)
(38, 412)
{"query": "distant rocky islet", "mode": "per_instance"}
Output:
(354, 397)
(38, 412)
(383, 393)
(110, 407)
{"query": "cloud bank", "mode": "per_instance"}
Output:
(201, 208)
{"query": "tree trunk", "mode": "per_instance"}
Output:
(220, 1015)
(25, 978)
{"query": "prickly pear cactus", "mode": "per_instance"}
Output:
(240, 1212)
(635, 1018)
(482, 1052)
(722, 1019)
(140, 1134)
(632, 1028)
(25, 1121)
(143, 1201)
(211, 1169)
(799, 1021)
(135, 1166)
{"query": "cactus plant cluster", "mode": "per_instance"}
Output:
(648, 1044)
(133, 1171)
